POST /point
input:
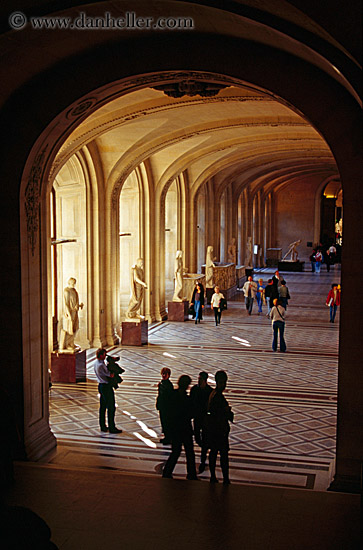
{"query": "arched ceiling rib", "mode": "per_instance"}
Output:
(239, 137)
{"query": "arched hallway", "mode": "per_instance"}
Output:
(285, 405)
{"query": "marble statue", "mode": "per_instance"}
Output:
(249, 252)
(138, 286)
(70, 318)
(293, 251)
(232, 252)
(178, 272)
(209, 265)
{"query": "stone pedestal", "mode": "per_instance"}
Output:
(68, 367)
(178, 311)
(273, 256)
(291, 266)
(134, 334)
(240, 275)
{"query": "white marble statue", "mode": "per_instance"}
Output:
(209, 265)
(70, 318)
(138, 286)
(232, 252)
(293, 251)
(178, 272)
(249, 252)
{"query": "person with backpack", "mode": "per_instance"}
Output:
(277, 316)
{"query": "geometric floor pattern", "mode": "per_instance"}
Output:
(284, 404)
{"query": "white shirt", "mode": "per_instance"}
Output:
(253, 288)
(101, 371)
(216, 298)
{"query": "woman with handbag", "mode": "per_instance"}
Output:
(277, 316)
(198, 301)
(216, 305)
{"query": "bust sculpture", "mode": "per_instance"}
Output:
(178, 272)
(209, 265)
(138, 286)
(70, 327)
(232, 251)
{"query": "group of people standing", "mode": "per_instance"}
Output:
(265, 294)
(320, 256)
(204, 413)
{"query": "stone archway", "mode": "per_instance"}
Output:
(342, 134)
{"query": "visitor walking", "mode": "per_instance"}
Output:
(163, 404)
(218, 417)
(333, 301)
(318, 261)
(260, 295)
(249, 289)
(181, 430)
(199, 395)
(277, 316)
(198, 302)
(284, 294)
(216, 305)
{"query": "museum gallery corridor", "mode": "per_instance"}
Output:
(284, 405)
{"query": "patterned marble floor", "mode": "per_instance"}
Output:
(284, 404)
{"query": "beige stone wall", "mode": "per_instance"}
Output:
(295, 215)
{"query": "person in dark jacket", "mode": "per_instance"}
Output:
(199, 395)
(218, 417)
(271, 293)
(198, 302)
(163, 404)
(181, 430)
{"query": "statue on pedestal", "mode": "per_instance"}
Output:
(138, 286)
(232, 252)
(178, 272)
(70, 318)
(209, 265)
(249, 252)
(292, 249)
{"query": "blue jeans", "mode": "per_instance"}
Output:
(259, 302)
(333, 310)
(279, 326)
(268, 304)
(198, 310)
(249, 304)
(284, 302)
(317, 267)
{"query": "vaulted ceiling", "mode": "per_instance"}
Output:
(239, 136)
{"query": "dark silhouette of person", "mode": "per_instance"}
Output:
(163, 404)
(181, 433)
(23, 529)
(199, 395)
(218, 417)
